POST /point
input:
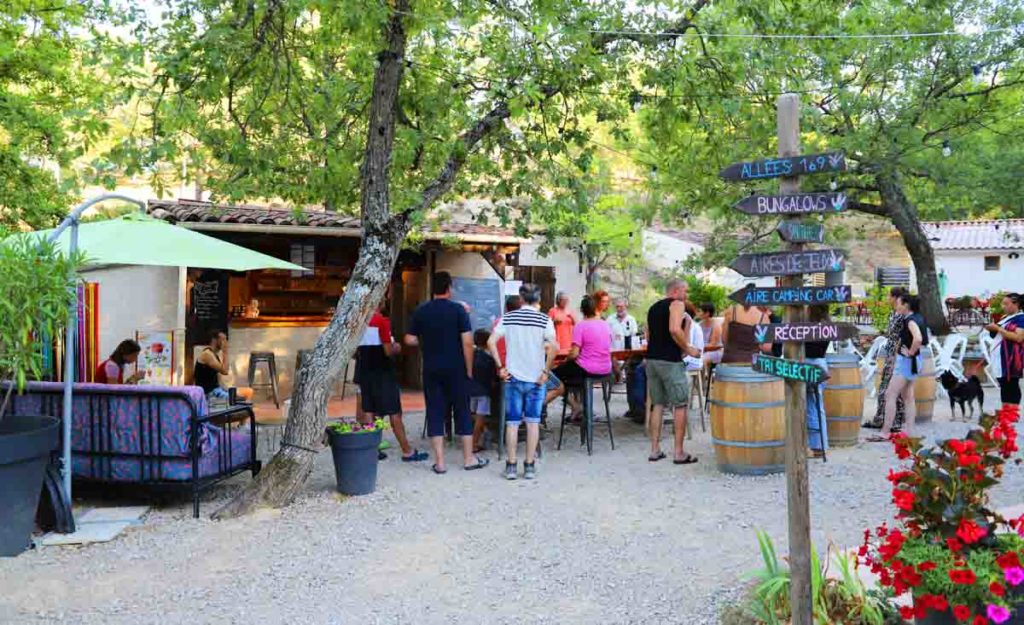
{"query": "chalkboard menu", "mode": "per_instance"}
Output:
(208, 306)
(484, 297)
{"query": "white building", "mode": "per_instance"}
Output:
(668, 249)
(979, 257)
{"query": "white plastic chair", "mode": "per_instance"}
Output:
(950, 356)
(986, 343)
(869, 363)
(847, 347)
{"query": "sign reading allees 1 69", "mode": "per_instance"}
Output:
(785, 167)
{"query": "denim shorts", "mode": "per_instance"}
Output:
(903, 366)
(552, 383)
(480, 405)
(523, 401)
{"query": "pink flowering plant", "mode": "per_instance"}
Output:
(351, 426)
(951, 551)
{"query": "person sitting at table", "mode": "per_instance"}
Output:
(712, 333)
(741, 347)
(694, 360)
(601, 302)
(212, 363)
(591, 352)
(111, 370)
(564, 320)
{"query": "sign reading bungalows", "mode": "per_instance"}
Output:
(785, 167)
(793, 204)
(792, 295)
(789, 263)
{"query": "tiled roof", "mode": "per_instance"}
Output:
(992, 234)
(194, 211)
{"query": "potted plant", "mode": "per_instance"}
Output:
(354, 449)
(995, 306)
(959, 560)
(36, 292)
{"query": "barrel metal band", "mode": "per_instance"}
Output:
(730, 404)
(831, 418)
(748, 445)
(844, 387)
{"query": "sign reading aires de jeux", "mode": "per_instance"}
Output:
(789, 370)
(804, 332)
(793, 204)
(800, 232)
(785, 167)
(789, 263)
(792, 295)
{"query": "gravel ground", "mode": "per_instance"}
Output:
(609, 539)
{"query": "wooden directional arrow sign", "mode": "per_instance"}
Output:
(781, 167)
(793, 296)
(790, 370)
(794, 204)
(804, 332)
(800, 232)
(789, 263)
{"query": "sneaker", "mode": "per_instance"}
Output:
(529, 470)
(510, 471)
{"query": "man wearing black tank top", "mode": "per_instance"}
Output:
(668, 327)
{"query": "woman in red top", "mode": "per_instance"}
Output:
(111, 370)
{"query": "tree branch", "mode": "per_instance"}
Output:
(871, 209)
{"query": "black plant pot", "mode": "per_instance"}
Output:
(25, 447)
(355, 461)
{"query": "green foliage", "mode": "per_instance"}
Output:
(843, 600)
(348, 426)
(36, 292)
(877, 302)
(702, 291)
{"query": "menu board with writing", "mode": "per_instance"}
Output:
(484, 298)
(208, 306)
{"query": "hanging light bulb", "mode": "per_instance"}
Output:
(635, 100)
(976, 68)
(947, 151)
(833, 185)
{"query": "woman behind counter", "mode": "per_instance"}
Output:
(111, 370)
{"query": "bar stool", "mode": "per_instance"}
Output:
(587, 427)
(697, 391)
(267, 358)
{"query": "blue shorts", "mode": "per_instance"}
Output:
(523, 401)
(552, 383)
(447, 392)
(903, 366)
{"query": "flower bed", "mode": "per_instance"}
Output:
(949, 550)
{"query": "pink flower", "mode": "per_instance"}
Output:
(1014, 575)
(997, 613)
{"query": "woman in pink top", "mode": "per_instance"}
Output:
(591, 352)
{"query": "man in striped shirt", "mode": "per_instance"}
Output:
(531, 346)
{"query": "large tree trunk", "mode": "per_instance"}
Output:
(903, 214)
(383, 233)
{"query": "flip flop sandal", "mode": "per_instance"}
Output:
(439, 471)
(687, 459)
(417, 456)
(876, 439)
(660, 456)
(871, 425)
(480, 463)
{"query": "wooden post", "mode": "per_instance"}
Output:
(788, 112)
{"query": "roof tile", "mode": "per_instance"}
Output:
(988, 234)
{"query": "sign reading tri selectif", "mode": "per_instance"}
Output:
(792, 262)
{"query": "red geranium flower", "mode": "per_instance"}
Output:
(904, 499)
(953, 544)
(962, 576)
(997, 589)
(907, 612)
(969, 532)
(1008, 560)
(926, 566)
(980, 620)
(961, 612)
(939, 603)
(968, 460)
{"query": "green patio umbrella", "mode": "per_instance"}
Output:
(138, 239)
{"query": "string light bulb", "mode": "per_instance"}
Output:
(833, 185)
(947, 151)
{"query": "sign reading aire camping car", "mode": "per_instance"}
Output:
(804, 332)
(793, 204)
(789, 370)
(785, 167)
(789, 263)
(792, 295)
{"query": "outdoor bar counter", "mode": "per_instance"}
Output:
(283, 335)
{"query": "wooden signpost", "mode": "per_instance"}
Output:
(804, 332)
(793, 263)
(790, 370)
(789, 263)
(800, 232)
(785, 167)
(793, 204)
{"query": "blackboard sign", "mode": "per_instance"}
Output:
(789, 263)
(208, 306)
(785, 166)
(484, 298)
(792, 204)
(792, 295)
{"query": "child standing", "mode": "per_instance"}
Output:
(485, 377)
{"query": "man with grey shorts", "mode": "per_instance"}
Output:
(668, 327)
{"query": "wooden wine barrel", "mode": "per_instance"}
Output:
(925, 387)
(844, 399)
(748, 421)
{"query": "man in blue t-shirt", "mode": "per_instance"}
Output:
(442, 330)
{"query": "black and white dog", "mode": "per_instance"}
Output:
(963, 393)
